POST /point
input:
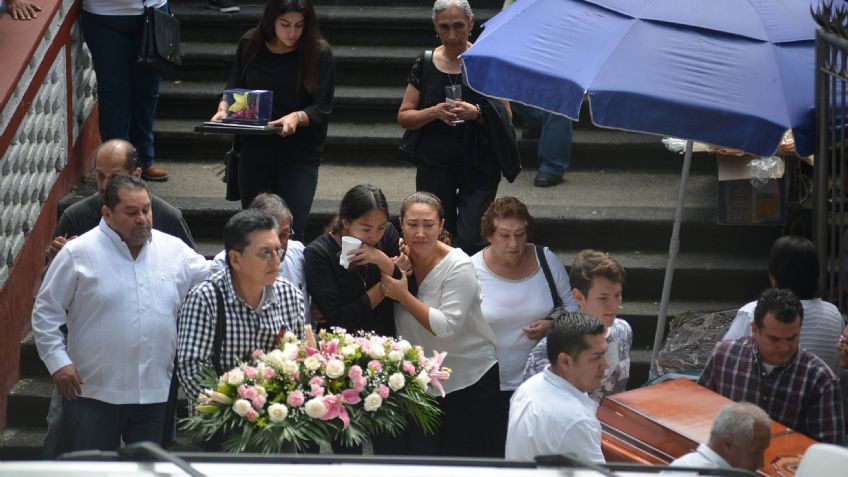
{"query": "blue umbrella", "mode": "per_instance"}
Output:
(734, 73)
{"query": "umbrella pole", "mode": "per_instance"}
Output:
(673, 248)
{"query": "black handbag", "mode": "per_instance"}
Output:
(558, 310)
(160, 41)
(231, 164)
(409, 143)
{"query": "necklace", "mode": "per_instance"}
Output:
(362, 273)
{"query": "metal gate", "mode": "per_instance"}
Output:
(830, 187)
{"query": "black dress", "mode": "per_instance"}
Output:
(286, 166)
(465, 181)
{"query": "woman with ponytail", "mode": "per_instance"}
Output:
(444, 314)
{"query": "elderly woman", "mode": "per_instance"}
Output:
(511, 274)
(452, 161)
(444, 314)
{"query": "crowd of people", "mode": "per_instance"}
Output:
(128, 310)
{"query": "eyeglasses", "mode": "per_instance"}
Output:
(267, 255)
(842, 341)
(287, 235)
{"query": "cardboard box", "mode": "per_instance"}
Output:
(245, 106)
(740, 203)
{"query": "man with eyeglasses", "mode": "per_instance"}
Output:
(291, 265)
(255, 305)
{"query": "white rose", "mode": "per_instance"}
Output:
(422, 380)
(335, 368)
(312, 363)
(395, 356)
(235, 377)
(241, 407)
(290, 350)
(347, 351)
(404, 346)
(315, 408)
(276, 358)
(290, 367)
(373, 402)
(289, 337)
(277, 412)
(349, 340)
(261, 390)
(377, 352)
(396, 382)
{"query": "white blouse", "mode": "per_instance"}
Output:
(453, 294)
(511, 305)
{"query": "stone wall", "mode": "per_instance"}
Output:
(47, 131)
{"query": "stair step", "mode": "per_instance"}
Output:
(377, 144)
(28, 402)
(355, 64)
(22, 443)
(341, 23)
(31, 364)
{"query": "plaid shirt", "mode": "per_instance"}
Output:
(246, 329)
(803, 394)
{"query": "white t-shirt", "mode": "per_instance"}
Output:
(119, 7)
(511, 305)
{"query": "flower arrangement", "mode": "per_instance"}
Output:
(340, 386)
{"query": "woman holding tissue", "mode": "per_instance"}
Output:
(346, 288)
(285, 53)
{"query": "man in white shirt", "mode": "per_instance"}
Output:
(551, 413)
(118, 289)
(738, 439)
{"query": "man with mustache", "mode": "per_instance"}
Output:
(118, 289)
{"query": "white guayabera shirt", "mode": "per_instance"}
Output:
(121, 313)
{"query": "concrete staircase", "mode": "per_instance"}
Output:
(618, 197)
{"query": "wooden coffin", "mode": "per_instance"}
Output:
(657, 424)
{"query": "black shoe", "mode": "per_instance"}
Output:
(224, 6)
(545, 179)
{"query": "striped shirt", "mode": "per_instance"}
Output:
(246, 329)
(803, 394)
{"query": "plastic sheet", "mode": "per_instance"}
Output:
(690, 342)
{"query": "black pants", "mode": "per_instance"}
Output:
(474, 422)
(465, 197)
(267, 166)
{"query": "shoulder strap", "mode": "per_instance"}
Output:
(427, 66)
(220, 330)
(543, 262)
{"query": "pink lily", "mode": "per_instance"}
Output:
(335, 409)
(437, 374)
(351, 396)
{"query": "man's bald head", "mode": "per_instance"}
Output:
(115, 157)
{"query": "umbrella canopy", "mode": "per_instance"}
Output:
(734, 73)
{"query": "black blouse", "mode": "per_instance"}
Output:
(441, 145)
(340, 294)
(277, 72)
